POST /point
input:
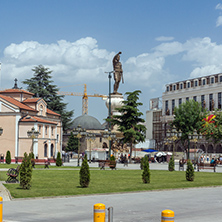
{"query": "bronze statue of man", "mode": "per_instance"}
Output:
(118, 72)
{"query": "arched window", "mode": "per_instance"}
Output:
(52, 150)
(219, 148)
(45, 150)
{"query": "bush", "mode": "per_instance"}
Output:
(58, 160)
(84, 173)
(32, 155)
(189, 171)
(26, 172)
(146, 170)
(112, 158)
(171, 164)
(8, 157)
(141, 163)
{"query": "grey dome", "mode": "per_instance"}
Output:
(87, 122)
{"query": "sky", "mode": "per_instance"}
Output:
(161, 42)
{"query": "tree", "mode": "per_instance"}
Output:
(8, 157)
(26, 172)
(84, 173)
(42, 86)
(171, 164)
(130, 121)
(72, 144)
(212, 127)
(146, 170)
(188, 117)
(189, 171)
(58, 160)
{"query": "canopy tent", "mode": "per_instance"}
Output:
(149, 150)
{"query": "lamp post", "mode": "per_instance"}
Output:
(79, 133)
(109, 76)
(173, 135)
(194, 137)
(110, 136)
(91, 137)
(33, 134)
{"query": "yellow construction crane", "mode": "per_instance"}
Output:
(84, 98)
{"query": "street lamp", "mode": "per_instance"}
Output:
(109, 76)
(173, 135)
(33, 134)
(79, 132)
(110, 136)
(194, 137)
(91, 137)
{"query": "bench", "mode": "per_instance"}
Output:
(45, 162)
(107, 163)
(210, 166)
(12, 175)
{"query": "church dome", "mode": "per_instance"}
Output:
(87, 122)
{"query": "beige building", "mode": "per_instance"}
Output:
(19, 113)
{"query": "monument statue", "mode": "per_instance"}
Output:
(118, 72)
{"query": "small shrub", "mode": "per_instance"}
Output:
(141, 163)
(32, 155)
(84, 173)
(189, 171)
(26, 172)
(146, 170)
(112, 158)
(58, 160)
(171, 164)
(8, 157)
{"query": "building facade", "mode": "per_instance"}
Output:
(207, 90)
(20, 113)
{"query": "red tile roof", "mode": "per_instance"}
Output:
(17, 103)
(15, 91)
(49, 111)
(31, 100)
(36, 119)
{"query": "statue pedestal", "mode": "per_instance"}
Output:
(116, 102)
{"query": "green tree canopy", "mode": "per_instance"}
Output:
(72, 144)
(188, 117)
(130, 120)
(42, 86)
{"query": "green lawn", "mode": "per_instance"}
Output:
(66, 182)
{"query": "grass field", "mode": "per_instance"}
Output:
(65, 182)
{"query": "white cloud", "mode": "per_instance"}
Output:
(219, 6)
(164, 38)
(219, 21)
(74, 62)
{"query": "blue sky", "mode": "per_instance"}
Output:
(161, 42)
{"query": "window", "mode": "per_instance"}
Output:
(219, 100)
(180, 101)
(41, 110)
(166, 107)
(173, 105)
(195, 83)
(210, 102)
(168, 88)
(187, 98)
(52, 131)
(212, 80)
(220, 78)
(203, 101)
(45, 150)
(46, 129)
(188, 84)
(52, 149)
(181, 85)
(100, 139)
(174, 87)
(195, 98)
(204, 82)
(40, 129)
